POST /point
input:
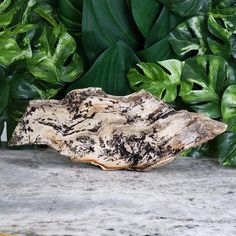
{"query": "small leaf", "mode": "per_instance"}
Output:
(160, 79)
(109, 70)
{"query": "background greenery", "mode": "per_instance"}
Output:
(182, 51)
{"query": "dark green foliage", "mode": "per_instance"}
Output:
(37, 57)
(204, 41)
(187, 49)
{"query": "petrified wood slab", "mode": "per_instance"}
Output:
(134, 132)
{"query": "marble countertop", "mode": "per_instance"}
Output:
(43, 193)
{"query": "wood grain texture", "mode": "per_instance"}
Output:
(135, 132)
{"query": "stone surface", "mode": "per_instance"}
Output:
(135, 132)
(43, 193)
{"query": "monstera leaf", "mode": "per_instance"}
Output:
(203, 81)
(109, 71)
(106, 22)
(55, 60)
(228, 107)
(160, 79)
(189, 37)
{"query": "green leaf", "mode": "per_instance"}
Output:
(189, 38)
(22, 87)
(106, 22)
(10, 52)
(4, 94)
(165, 23)
(186, 8)
(71, 13)
(6, 18)
(45, 11)
(160, 79)
(225, 149)
(228, 107)
(201, 151)
(221, 46)
(7, 33)
(4, 5)
(159, 51)
(109, 70)
(147, 8)
(203, 81)
(55, 59)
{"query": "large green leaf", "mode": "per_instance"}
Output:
(189, 38)
(228, 107)
(203, 81)
(164, 24)
(159, 51)
(104, 23)
(225, 149)
(187, 7)
(71, 13)
(144, 13)
(109, 70)
(160, 79)
(55, 60)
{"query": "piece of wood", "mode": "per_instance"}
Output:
(134, 132)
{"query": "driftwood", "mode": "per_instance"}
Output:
(135, 132)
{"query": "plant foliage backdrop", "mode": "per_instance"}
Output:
(183, 52)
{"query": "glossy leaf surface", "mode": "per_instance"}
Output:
(160, 79)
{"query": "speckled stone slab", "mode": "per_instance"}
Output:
(44, 194)
(135, 132)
